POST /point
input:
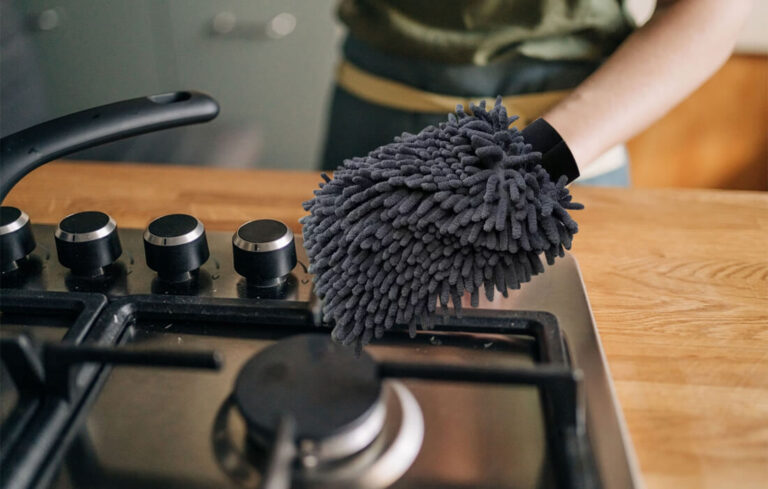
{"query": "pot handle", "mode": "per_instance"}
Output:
(22, 152)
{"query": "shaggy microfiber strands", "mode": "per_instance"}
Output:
(430, 217)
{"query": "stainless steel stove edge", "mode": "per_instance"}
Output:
(627, 473)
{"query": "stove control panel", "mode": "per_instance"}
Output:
(173, 255)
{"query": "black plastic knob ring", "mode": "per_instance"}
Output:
(82, 237)
(264, 252)
(16, 219)
(174, 240)
(175, 246)
(86, 242)
(16, 238)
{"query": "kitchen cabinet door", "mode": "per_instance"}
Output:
(93, 52)
(270, 65)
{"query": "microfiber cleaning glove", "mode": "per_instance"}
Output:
(432, 216)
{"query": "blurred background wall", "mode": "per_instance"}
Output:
(270, 63)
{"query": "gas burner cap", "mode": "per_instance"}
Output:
(326, 392)
(335, 398)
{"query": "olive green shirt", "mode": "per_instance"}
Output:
(483, 31)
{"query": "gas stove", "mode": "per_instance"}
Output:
(175, 357)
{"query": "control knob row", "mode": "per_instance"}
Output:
(175, 246)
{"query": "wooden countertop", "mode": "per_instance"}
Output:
(678, 281)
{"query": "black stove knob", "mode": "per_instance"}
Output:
(16, 239)
(264, 252)
(86, 242)
(175, 247)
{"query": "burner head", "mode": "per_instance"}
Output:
(334, 397)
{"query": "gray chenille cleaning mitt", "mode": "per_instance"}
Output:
(430, 217)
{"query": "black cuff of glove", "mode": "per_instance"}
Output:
(556, 157)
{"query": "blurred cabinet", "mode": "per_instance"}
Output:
(95, 51)
(269, 63)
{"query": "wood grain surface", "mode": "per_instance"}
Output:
(678, 281)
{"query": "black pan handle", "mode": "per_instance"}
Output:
(22, 152)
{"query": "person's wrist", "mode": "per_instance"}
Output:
(556, 157)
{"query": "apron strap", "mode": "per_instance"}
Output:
(396, 95)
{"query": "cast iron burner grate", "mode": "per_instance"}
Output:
(281, 437)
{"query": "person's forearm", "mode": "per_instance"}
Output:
(652, 71)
